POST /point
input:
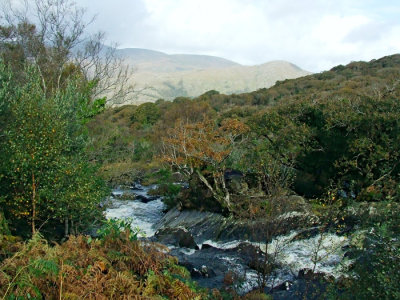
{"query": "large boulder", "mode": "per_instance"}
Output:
(179, 237)
(145, 198)
(205, 226)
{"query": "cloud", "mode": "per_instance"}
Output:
(314, 34)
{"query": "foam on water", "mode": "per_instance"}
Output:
(324, 251)
(142, 215)
(222, 245)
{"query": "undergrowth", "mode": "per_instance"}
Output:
(113, 267)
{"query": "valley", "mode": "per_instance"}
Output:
(194, 176)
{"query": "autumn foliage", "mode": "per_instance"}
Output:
(86, 268)
(202, 149)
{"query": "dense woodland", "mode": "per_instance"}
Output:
(331, 137)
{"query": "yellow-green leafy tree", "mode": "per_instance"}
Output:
(45, 176)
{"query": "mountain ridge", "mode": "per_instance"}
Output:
(166, 76)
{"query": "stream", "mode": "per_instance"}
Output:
(212, 258)
(143, 215)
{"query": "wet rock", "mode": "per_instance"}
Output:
(206, 246)
(209, 266)
(177, 237)
(213, 226)
(301, 289)
(251, 255)
(202, 225)
(199, 272)
(309, 275)
(136, 186)
(145, 199)
(284, 286)
(195, 273)
(206, 272)
(224, 246)
(117, 194)
(307, 233)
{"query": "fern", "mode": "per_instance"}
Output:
(112, 268)
(118, 256)
(41, 267)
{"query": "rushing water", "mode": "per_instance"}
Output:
(142, 215)
(322, 252)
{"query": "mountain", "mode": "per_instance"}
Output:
(145, 60)
(160, 75)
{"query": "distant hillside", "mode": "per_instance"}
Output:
(170, 76)
(154, 61)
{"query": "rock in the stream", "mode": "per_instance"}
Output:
(194, 272)
(210, 265)
(201, 272)
(251, 255)
(179, 236)
(308, 274)
(213, 226)
(307, 233)
(117, 194)
(284, 286)
(299, 289)
(145, 199)
(307, 285)
(206, 272)
(137, 187)
(206, 246)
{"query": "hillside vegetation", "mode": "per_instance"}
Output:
(338, 128)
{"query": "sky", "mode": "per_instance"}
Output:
(313, 34)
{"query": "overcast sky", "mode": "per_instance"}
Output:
(314, 34)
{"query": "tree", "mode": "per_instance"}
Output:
(51, 34)
(203, 150)
(146, 114)
(45, 176)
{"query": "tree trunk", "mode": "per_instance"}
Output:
(226, 191)
(33, 204)
(73, 227)
(66, 226)
(205, 181)
(224, 200)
